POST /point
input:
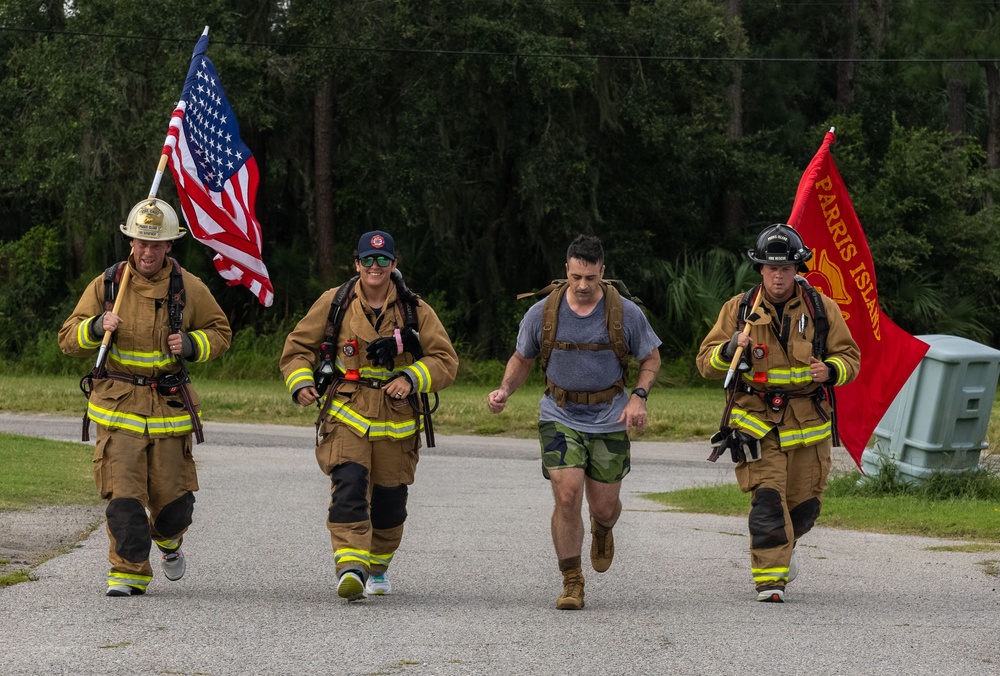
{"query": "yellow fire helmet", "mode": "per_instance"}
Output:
(152, 220)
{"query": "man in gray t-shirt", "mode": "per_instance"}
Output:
(586, 413)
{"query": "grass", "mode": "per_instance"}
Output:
(965, 507)
(40, 472)
(59, 473)
(674, 414)
(17, 577)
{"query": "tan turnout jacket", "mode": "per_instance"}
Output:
(139, 348)
(365, 410)
(802, 421)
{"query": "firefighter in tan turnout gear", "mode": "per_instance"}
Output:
(369, 351)
(143, 407)
(780, 418)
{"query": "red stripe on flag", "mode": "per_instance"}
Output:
(217, 178)
(842, 268)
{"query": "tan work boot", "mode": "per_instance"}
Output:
(572, 596)
(602, 546)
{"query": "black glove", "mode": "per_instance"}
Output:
(740, 446)
(411, 342)
(382, 350)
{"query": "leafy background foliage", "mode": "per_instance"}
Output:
(486, 135)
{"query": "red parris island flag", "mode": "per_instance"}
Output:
(216, 177)
(842, 268)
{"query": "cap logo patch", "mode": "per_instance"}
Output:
(378, 242)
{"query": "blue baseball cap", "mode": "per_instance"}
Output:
(376, 243)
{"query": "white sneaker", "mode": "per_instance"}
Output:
(123, 590)
(174, 564)
(378, 585)
(793, 566)
(350, 586)
(773, 595)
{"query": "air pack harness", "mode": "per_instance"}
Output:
(326, 377)
(741, 446)
(166, 384)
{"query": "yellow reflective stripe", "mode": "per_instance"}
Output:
(392, 429)
(716, 359)
(381, 559)
(299, 377)
(782, 377)
(742, 419)
(373, 372)
(144, 359)
(127, 421)
(141, 424)
(177, 424)
(387, 429)
(342, 412)
(765, 575)
(346, 555)
(377, 373)
(841, 369)
(421, 376)
(200, 339)
(806, 436)
(170, 545)
(130, 579)
(83, 335)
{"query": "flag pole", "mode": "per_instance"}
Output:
(103, 350)
(739, 348)
(126, 274)
(153, 189)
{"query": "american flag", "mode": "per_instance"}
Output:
(216, 177)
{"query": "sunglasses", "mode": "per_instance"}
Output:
(368, 261)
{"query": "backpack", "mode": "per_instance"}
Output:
(613, 313)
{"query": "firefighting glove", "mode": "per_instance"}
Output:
(188, 350)
(730, 349)
(741, 447)
(97, 327)
(382, 350)
(744, 447)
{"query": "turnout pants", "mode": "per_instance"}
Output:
(149, 484)
(368, 493)
(787, 490)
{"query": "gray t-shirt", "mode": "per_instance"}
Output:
(586, 370)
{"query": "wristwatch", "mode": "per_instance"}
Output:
(640, 392)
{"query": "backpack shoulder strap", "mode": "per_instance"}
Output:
(112, 281)
(177, 298)
(344, 295)
(550, 321)
(744, 310)
(818, 312)
(614, 313)
(406, 300)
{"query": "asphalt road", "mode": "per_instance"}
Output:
(475, 582)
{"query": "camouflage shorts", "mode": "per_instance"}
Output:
(603, 457)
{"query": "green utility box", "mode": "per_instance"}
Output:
(938, 421)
